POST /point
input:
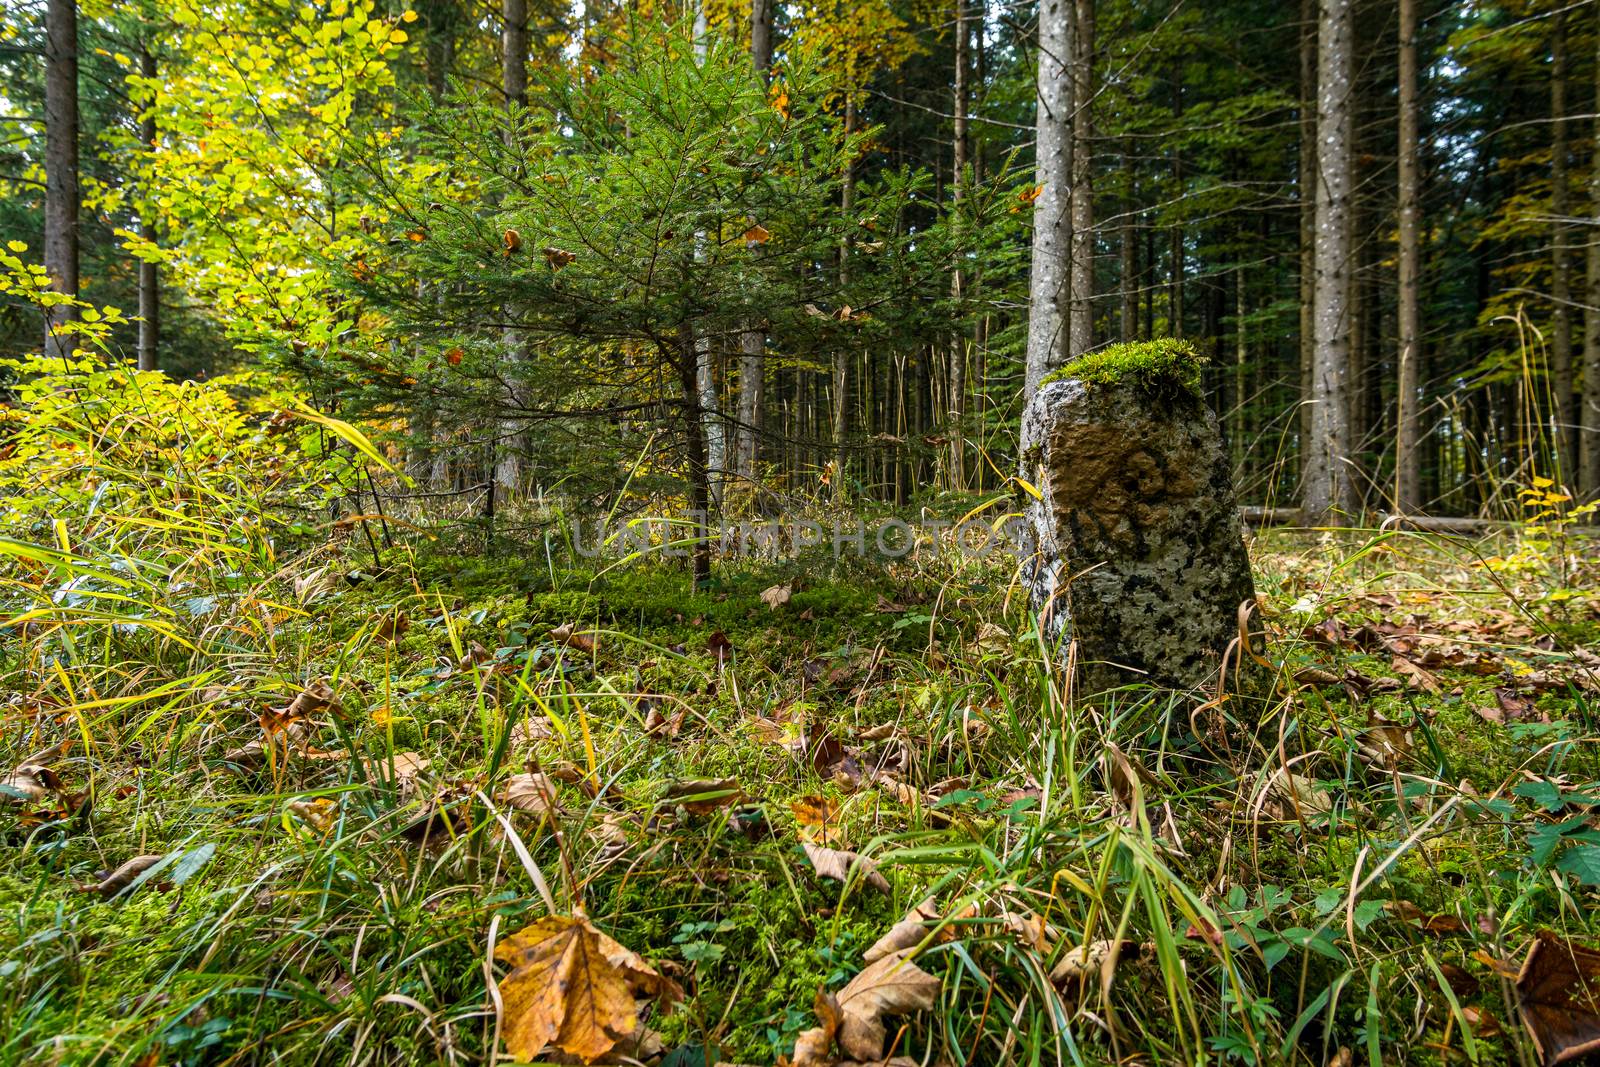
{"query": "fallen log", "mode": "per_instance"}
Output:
(1459, 526)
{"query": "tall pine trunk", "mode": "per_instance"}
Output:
(1049, 278)
(61, 165)
(753, 339)
(841, 354)
(1589, 416)
(1129, 250)
(957, 376)
(506, 452)
(1563, 413)
(1408, 459)
(1307, 187)
(1327, 486)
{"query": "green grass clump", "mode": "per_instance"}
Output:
(1165, 366)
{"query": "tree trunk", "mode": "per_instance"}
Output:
(1052, 222)
(957, 375)
(61, 165)
(841, 354)
(1130, 252)
(1080, 328)
(1563, 415)
(761, 36)
(149, 270)
(1408, 460)
(1327, 477)
(1175, 251)
(687, 361)
(506, 452)
(1590, 414)
(753, 340)
(1308, 209)
(514, 51)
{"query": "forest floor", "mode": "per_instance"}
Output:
(389, 772)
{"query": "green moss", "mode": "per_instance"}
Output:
(1166, 366)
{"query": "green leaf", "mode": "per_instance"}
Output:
(1583, 862)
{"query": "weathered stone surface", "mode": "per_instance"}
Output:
(1139, 555)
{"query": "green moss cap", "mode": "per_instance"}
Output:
(1162, 366)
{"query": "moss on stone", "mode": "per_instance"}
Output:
(1166, 366)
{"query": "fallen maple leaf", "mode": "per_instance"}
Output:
(838, 864)
(573, 988)
(776, 596)
(1558, 997)
(818, 818)
(892, 985)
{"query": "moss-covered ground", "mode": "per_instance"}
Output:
(1352, 869)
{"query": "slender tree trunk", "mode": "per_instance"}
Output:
(957, 375)
(753, 341)
(514, 51)
(61, 165)
(1052, 220)
(1129, 250)
(1081, 316)
(1563, 413)
(1327, 477)
(1308, 209)
(1408, 460)
(506, 453)
(841, 355)
(694, 424)
(761, 35)
(1241, 360)
(1175, 250)
(149, 270)
(1590, 413)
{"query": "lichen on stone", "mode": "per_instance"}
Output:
(1164, 367)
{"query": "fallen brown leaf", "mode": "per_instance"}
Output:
(814, 1047)
(118, 880)
(776, 596)
(703, 796)
(1414, 675)
(838, 865)
(908, 933)
(567, 636)
(1558, 997)
(1084, 962)
(30, 782)
(892, 985)
(533, 794)
(818, 817)
(571, 987)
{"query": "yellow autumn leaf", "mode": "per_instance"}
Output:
(573, 988)
(1028, 487)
